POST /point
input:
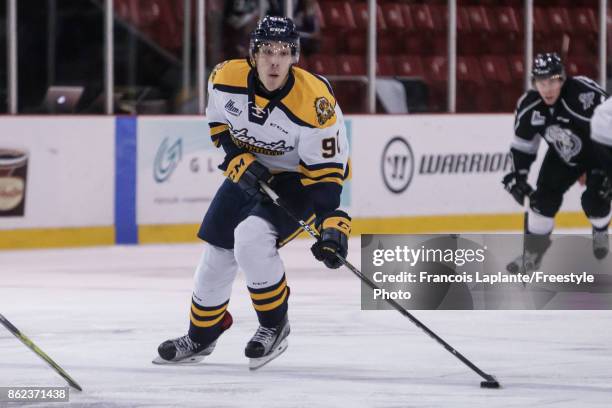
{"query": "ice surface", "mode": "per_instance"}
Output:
(101, 313)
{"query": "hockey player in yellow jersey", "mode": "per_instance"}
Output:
(281, 125)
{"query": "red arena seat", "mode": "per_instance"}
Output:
(338, 15)
(385, 65)
(361, 15)
(505, 19)
(584, 20)
(409, 66)
(559, 20)
(394, 18)
(322, 64)
(351, 65)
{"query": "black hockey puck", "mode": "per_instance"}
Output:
(489, 384)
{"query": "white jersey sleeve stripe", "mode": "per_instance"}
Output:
(526, 146)
(590, 83)
(525, 110)
(518, 103)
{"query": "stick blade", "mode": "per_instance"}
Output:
(74, 384)
(490, 382)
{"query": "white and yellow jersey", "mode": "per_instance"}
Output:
(301, 129)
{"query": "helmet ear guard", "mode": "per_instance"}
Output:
(271, 29)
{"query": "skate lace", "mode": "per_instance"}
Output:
(185, 344)
(264, 334)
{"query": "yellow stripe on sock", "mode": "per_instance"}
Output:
(208, 323)
(207, 313)
(271, 294)
(270, 306)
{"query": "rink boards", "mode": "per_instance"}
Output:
(70, 181)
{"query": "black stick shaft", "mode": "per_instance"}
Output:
(313, 233)
(30, 344)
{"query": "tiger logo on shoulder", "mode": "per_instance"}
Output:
(325, 111)
(217, 69)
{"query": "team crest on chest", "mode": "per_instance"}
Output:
(325, 111)
(565, 142)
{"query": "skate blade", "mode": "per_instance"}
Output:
(600, 253)
(188, 361)
(513, 268)
(516, 269)
(255, 363)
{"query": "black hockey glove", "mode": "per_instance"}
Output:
(244, 170)
(603, 182)
(334, 230)
(516, 184)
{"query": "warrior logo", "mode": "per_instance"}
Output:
(565, 142)
(325, 110)
(397, 165)
(242, 139)
(587, 99)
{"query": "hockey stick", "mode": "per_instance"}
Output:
(490, 381)
(525, 229)
(25, 340)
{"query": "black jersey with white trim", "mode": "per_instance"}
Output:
(299, 128)
(565, 126)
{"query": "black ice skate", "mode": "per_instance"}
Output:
(526, 263)
(535, 246)
(601, 245)
(183, 350)
(267, 344)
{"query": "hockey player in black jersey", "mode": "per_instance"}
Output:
(281, 125)
(559, 111)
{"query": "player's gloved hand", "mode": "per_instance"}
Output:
(334, 230)
(598, 181)
(244, 170)
(516, 184)
(605, 188)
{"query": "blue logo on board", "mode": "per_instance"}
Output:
(168, 156)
